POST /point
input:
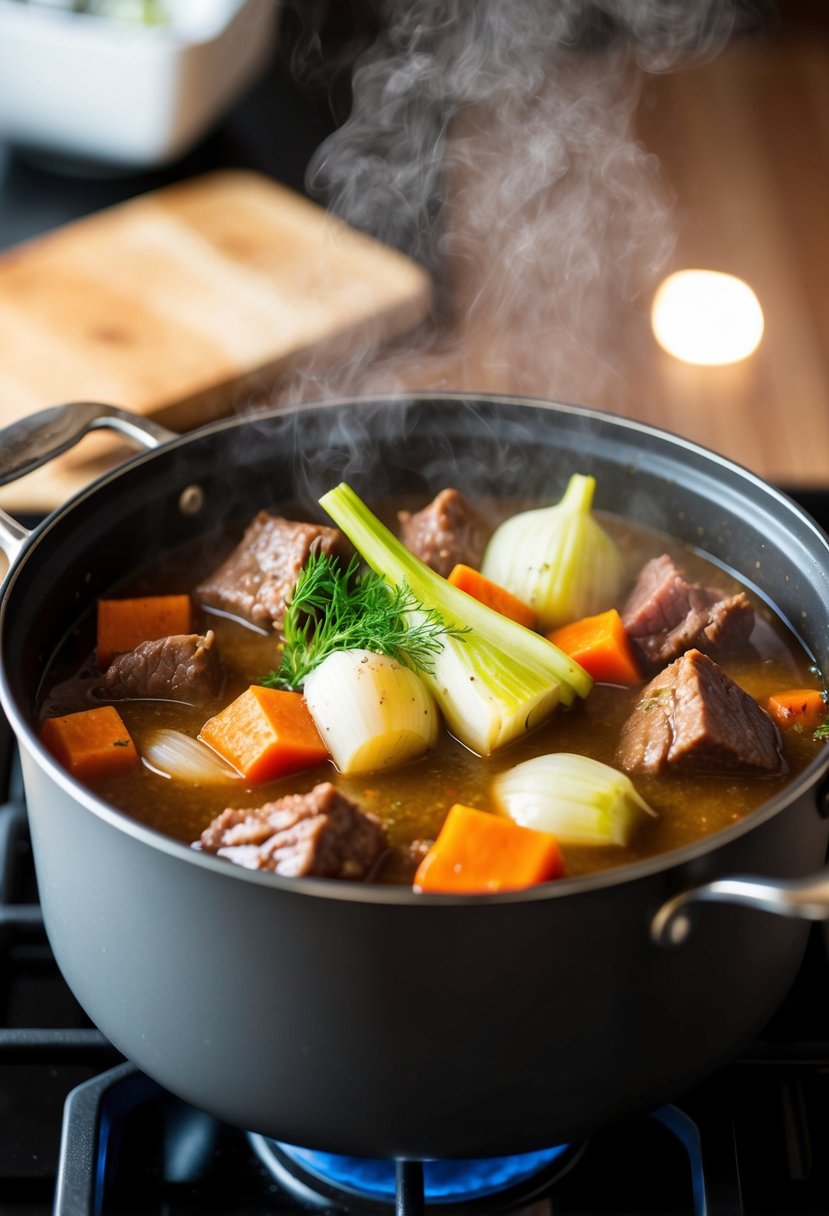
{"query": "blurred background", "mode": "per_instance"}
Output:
(546, 166)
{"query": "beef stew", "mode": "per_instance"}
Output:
(758, 655)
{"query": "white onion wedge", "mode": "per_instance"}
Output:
(174, 754)
(371, 711)
(579, 800)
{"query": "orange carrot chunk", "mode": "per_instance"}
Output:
(476, 851)
(486, 592)
(265, 733)
(600, 645)
(91, 743)
(802, 709)
(125, 624)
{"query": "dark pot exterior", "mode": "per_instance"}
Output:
(367, 1020)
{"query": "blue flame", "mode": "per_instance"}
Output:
(444, 1181)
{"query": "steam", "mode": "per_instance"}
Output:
(495, 142)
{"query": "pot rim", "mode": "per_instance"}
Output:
(341, 890)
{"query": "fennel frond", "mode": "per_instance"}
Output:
(333, 609)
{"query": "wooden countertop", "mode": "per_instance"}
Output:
(743, 145)
(745, 142)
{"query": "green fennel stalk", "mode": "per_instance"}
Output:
(493, 679)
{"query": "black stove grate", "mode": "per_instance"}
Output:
(83, 1133)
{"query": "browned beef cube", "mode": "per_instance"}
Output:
(256, 579)
(449, 530)
(665, 614)
(321, 834)
(694, 716)
(183, 667)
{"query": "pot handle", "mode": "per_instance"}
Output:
(804, 898)
(33, 441)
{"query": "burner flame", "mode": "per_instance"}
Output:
(444, 1181)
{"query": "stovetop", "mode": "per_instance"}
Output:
(83, 1133)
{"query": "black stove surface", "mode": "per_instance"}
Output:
(83, 1133)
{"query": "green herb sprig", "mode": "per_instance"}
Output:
(335, 608)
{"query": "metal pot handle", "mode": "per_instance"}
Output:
(33, 441)
(805, 898)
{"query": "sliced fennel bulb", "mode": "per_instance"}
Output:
(496, 679)
(557, 559)
(371, 711)
(578, 799)
(174, 754)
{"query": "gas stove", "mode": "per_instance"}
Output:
(84, 1133)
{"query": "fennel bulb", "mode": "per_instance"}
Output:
(578, 799)
(557, 559)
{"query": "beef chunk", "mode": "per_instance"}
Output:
(320, 834)
(449, 530)
(256, 579)
(730, 622)
(693, 716)
(665, 614)
(183, 667)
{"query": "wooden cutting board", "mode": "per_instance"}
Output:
(185, 304)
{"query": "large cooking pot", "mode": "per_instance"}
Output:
(370, 1020)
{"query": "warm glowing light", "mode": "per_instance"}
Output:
(704, 316)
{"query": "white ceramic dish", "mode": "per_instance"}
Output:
(98, 89)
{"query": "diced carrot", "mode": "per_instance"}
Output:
(798, 709)
(494, 596)
(265, 733)
(125, 624)
(477, 851)
(91, 743)
(600, 645)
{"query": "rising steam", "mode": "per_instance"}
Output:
(495, 142)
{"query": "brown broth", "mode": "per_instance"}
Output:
(412, 800)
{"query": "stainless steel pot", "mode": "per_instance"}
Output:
(369, 1020)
